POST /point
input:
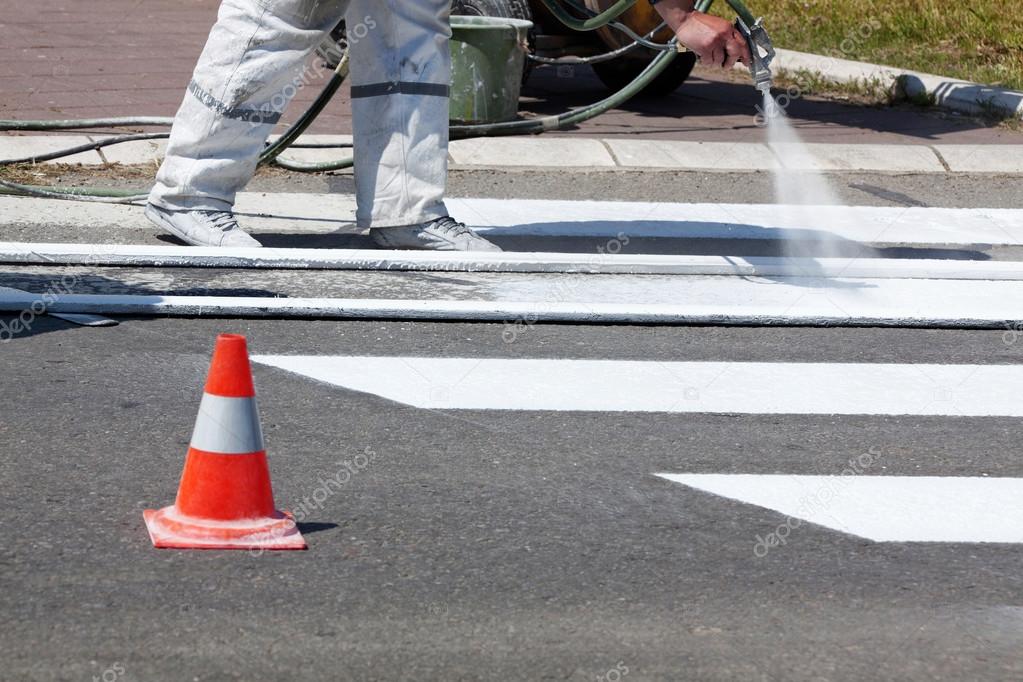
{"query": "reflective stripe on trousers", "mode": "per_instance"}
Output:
(256, 60)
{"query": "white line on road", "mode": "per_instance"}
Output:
(325, 213)
(882, 508)
(145, 255)
(525, 299)
(649, 386)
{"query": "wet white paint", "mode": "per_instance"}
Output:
(651, 386)
(144, 255)
(880, 508)
(523, 300)
(324, 213)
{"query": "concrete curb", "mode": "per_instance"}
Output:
(950, 93)
(590, 154)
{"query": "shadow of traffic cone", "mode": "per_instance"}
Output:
(225, 500)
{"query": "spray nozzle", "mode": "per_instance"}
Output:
(762, 51)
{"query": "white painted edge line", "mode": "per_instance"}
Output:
(495, 311)
(509, 262)
(951, 93)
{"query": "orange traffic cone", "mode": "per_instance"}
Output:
(225, 500)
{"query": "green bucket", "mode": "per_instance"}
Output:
(487, 56)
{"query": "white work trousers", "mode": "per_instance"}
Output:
(256, 59)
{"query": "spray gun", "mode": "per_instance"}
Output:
(762, 51)
(760, 47)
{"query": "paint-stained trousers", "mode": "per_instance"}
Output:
(254, 62)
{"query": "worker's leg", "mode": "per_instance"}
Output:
(401, 69)
(253, 64)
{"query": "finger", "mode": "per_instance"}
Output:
(717, 57)
(734, 55)
(739, 47)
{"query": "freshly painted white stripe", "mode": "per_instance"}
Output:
(610, 220)
(650, 386)
(228, 426)
(862, 224)
(880, 508)
(522, 300)
(144, 255)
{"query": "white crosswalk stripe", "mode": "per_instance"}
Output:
(650, 386)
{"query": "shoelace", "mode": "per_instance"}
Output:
(222, 220)
(449, 224)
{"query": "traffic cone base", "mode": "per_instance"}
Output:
(225, 500)
(170, 529)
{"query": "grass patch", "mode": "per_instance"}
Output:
(861, 91)
(980, 41)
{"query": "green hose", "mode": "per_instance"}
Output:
(73, 124)
(595, 22)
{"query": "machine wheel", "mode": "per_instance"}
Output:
(333, 46)
(618, 73)
(512, 9)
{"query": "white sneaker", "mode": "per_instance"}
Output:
(201, 228)
(442, 234)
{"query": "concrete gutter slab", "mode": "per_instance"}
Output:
(857, 157)
(727, 156)
(980, 158)
(557, 152)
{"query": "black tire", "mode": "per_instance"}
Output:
(511, 9)
(618, 73)
(333, 46)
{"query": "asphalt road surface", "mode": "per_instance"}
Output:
(484, 543)
(597, 510)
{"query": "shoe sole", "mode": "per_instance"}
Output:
(382, 243)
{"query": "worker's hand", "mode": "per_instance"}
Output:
(713, 39)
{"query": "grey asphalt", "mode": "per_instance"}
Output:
(487, 544)
(481, 544)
